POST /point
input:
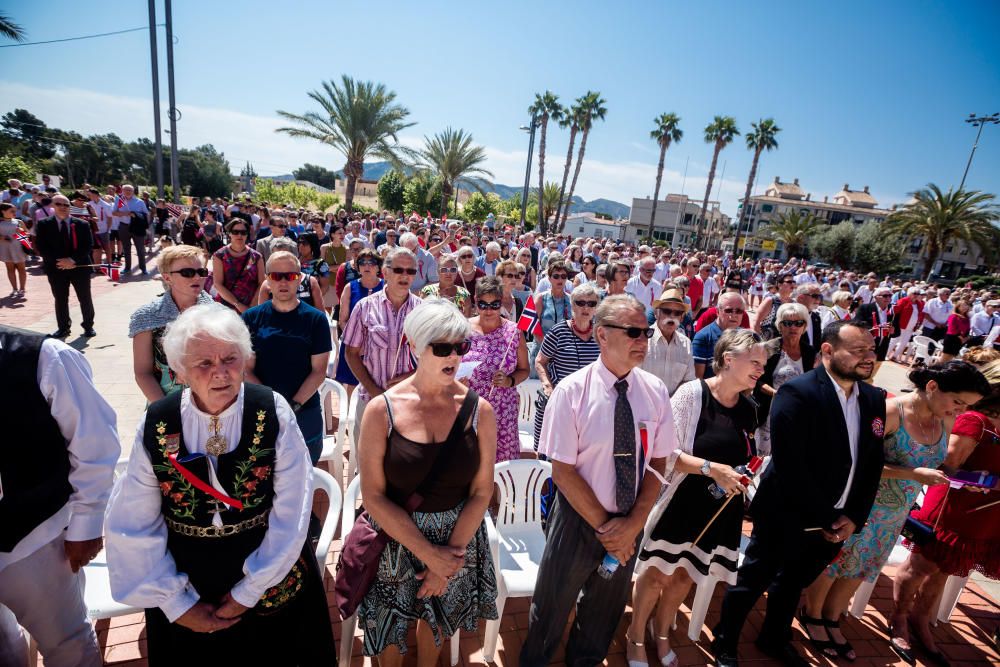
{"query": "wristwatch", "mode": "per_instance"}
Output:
(296, 406)
(706, 468)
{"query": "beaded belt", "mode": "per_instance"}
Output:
(215, 531)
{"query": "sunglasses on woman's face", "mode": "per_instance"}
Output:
(398, 270)
(447, 349)
(448, 269)
(633, 332)
(585, 304)
(237, 232)
(367, 262)
(793, 323)
(188, 272)
(488, 305)
(558, 276)
(278, 276)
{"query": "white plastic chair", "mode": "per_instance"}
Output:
(348, 626)
(323, 481)
(333, 445)
(526, 393)
(517, 541)
(921, 348)
(352, 413)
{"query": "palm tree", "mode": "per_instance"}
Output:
(794, 229)
(593, 109)
(545, 108)
(665, 133)
(11, 30)
(760, 139)
(571, 119)
(943, 217)
(720, 132)
(550, 197)
(357, 118)
(453, 157)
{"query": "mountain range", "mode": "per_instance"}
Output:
(375, 171)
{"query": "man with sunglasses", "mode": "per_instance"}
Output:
(373, 339)
(669, 356)
(604, 426)
(809, 295)
(731, 308)
(66, 244)
(279, 228)
(642, 286)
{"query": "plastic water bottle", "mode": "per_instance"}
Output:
(747, 472)
(608, 566)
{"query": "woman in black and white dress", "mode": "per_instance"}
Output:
(715, 423)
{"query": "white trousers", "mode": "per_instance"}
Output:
(47, 599)
(897, 345)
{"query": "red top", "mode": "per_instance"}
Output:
(695, 289)
(712, 314)
(958, 325)
(905, 308)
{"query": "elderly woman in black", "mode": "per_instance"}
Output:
(207, 528)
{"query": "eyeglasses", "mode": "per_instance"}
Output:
(278, 276)
(513, 275)
(58, 205)
(447, 349)
(672, 313)
(398, 270)
(788, 282)
(585, 304)
(448, 269)
(238, 232)
(558, 276)
(188, 272)
(733, 311)
(633, 332)
(280, 226)
(367, 262)
(488, 305)
(436, 239)
(816, 296)
(647, 270)
(793, 323)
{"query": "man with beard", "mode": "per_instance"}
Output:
(811, 498)
(669, 355)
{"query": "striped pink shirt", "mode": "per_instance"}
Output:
(376, 328)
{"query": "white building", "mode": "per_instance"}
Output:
(675, 221)
(589, 225)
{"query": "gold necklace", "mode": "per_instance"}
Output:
(216, 445)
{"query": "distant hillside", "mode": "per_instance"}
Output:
(376, 170)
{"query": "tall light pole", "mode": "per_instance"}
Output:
(977, 121)
(157, 131)
(527, 169)
(172, 113)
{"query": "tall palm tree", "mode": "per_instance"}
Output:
(593, 110)
(721, 132)
(664, 133)
(794, 229)
(452, 156)
(943, 217)
(571, 119)
(11, 30)
(357, 118)
(545, 108)
(550, 197)
(761, 138)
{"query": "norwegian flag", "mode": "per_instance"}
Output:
(119, 201)
(530, 322)
(112, 271)
(175, 210)
(24, 240)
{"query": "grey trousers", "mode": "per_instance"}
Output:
(569, 567)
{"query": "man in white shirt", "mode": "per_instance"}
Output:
(867, 291)
(808, 277)
(669, 355)
(101, 211)
(983, 322)
(53, 494)
(642, 285)
(936, 313)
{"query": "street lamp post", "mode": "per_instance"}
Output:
(527, 170)
(977, 121)
(157, 132)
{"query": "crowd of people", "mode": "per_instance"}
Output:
(697, 368)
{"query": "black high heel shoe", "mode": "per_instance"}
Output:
(826, 647)
(843, 650)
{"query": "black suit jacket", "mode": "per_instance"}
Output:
(866, 313)
(811, 457)
(52, 244)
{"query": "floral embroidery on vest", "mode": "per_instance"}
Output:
(285, 589)
(248, 475)
(179, 490)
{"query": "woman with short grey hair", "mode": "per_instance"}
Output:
(427, 449)
(206, 530)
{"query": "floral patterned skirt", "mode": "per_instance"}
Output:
(391, 604)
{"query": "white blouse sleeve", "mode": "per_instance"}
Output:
(141, 569)
(290, 511)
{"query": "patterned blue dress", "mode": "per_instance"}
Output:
(866, 553)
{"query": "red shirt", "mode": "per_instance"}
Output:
(712, 314)
(695, 289)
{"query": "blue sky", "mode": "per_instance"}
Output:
(867, 93)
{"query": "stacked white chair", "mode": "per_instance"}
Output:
(526, 393)
(333, 445)
(352, 414)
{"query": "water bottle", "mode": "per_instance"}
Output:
(608, 566)
(747, 472)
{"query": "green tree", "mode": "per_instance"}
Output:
(478, 206)
(452, 156)
(29, 133)
(665, 132)
(422, 193)
(321, 176)
(720, 132)
(875, 250)
(11, 30)
(593, 110)
(794, 229)
(759, 139)
(573, 118)
(943, 217)
(326, 201)
(15, 166)
(360, 119)
(204, 172)
(550, 199)
(546, 107)
(390, 190)
(835, 244)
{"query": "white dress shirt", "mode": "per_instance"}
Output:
(981, 323)
(852, 415)
(142, 570)
(87, 423)
(671, 361)
(646, 293)
(936, 312)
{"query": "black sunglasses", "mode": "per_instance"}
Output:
(585, 304)
(398, 270)
(188, 272)
(733, 311)
(488, 305)
(446, 349)
(633, 332)
(238, 232)
(367, 262)
(793, 323)
(672, 313)
(281, 226)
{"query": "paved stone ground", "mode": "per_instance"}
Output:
(968, 639)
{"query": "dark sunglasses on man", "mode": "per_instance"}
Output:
(398, 270)
(188, 272)
(633, 332)
(278, 276)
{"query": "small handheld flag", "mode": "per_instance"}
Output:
(112, 271)
(529, 321)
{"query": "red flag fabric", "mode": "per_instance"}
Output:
(529, 321)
